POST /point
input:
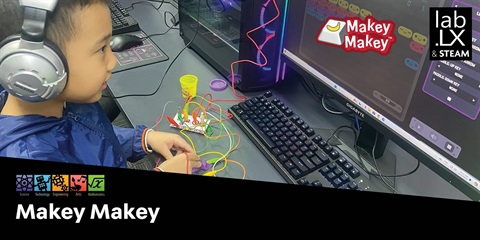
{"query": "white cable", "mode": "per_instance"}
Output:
(327, 109)
(163, 113)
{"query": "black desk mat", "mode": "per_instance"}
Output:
(146, 54)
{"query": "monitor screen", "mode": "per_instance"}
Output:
(429, 108)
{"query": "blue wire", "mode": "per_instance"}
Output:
(356, 122)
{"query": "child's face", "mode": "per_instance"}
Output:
(90, 59)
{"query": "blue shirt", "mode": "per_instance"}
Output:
(83, 135)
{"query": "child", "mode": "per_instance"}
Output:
(72, 127)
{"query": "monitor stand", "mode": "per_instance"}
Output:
(344, 140)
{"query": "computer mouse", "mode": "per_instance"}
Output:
(125, 41)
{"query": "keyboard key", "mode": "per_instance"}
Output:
(282, 158)
(337, 182)
(316, 183)
(317, 139)
(304, 127)
(307, 163)
(277, 152)
(334, 154)
(317, 161)
(295, 173)
(332, 165)
(299, 165)
(328, 148)
(302, 181)
(304, 149)
(324, 170)
(303, 138)
(310, 132)
(342, 161)
(344, 177)
(266, 140)
(347, 166)
(289, 165)
(322, 143)
(330, 176)
(322, 155)
(354, 173)
(352, 185)
(338, 171)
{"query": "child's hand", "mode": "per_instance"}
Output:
(163, 142)
(179, 164)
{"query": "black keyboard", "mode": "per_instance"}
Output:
(122, 22)
(297, 152)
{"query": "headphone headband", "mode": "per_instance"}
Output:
(47, 5)
(35, 17)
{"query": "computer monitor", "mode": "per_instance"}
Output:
(429, 108)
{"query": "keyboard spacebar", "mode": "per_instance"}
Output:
(265, 139)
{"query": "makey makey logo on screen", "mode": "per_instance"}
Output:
(356, 34)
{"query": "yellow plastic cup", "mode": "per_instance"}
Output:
(189, 85)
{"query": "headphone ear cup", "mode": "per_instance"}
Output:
(9, 39)
(32, 71)
(54, 47)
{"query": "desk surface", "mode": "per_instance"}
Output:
(145, 109)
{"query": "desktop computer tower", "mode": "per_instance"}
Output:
(227, 31)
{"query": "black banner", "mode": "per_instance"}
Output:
(54, 194)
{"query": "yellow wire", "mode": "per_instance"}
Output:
(229, 134)
(223, 156)
(189, 139)
(205, 113)
(201, 107)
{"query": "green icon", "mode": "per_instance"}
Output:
(96, 183)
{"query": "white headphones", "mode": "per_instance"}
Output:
(32, 67)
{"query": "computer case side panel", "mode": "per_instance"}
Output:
(235, 30)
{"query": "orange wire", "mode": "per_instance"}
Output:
(209, 105)
(157, 121)
(243, 98)
(239, 164)
(256, 45)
